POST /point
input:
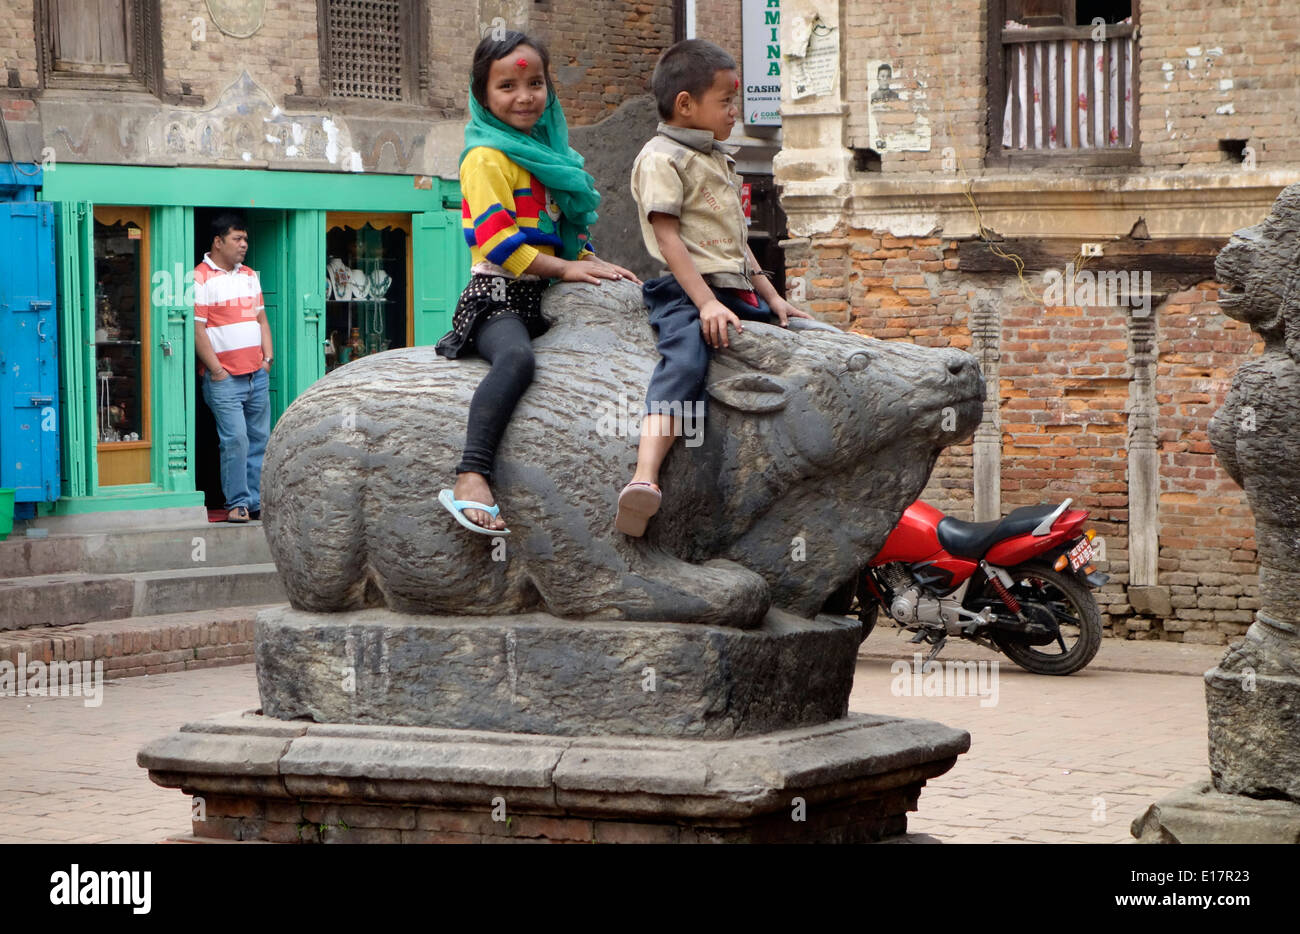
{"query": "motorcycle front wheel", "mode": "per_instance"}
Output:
(1074, 609)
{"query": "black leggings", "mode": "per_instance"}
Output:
(503, 342)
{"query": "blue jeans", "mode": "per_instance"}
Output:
(242, 408)
(683, 369)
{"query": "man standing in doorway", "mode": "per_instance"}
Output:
(233, 341)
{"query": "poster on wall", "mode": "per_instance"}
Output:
(814, 59)
(761, 62)
(893, 125)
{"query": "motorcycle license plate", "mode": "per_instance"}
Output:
(1080, 554)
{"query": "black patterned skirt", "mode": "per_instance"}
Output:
(487, 298)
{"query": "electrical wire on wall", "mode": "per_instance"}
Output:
(1080, 261)
(13, 161)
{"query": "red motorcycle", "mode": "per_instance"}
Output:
(1030, 599)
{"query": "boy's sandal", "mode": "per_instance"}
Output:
(238, 514)
(636, 504)
(457, 509)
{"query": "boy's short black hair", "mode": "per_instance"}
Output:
(690, 66)
(490, 49)
(225, 222)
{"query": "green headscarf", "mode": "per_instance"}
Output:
(547, 154)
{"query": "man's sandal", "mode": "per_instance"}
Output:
(636, 504)
(457, 509)
(238, 514)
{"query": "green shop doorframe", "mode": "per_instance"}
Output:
(290, 205)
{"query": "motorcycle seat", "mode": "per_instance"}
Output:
(972, 540)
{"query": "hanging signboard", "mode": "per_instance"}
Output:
(761, 62)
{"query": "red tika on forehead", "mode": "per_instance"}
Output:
(523, 63)
(737, 84)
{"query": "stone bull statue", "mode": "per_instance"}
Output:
(814, 442)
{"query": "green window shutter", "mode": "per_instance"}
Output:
(268, 257)
(302, 357)
(441, 270)
(175, 394)
(76, 274)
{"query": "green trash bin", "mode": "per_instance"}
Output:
(6, 513)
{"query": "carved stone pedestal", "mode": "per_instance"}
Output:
(849, 781)
(403, 729)
(536, 673)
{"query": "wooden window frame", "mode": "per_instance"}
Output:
(996, 156)
(146, 58)
(415, 58)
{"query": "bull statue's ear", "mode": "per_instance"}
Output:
(751, 392)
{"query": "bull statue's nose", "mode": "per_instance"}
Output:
(957, 363)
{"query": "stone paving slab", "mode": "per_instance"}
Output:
(1071, 759)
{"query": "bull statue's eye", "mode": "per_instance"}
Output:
(858, 362)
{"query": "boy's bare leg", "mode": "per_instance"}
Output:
(474, 487)
(658, 432)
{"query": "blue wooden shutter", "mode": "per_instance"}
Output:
(29, 358)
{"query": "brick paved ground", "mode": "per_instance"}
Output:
(1041, 761)
(1071, 759)
(68, 772)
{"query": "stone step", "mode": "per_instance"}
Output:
(142, 645)
(216, 544)
(64, 599)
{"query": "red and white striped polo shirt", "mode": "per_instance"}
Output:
(228, 304)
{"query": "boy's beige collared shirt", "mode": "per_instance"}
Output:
(688, 174)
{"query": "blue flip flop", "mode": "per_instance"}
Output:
(457, 509)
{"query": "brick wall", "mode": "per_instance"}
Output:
(719, 22)
(453, 34)
(602, 52)
(1259, 45)
(1064, 385)
(1207, 532)
(936, 52)
(1241, 83)
(18, 43)
(285, 53)
(282, 50)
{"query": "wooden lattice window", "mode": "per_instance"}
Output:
(1063, 81)
(372, 49)
(99, 43)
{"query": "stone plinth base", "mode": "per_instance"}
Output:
(849, 781)
(1253, 696)
(535, 673)
(1199, 814)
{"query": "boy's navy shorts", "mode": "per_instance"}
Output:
(679, 378)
